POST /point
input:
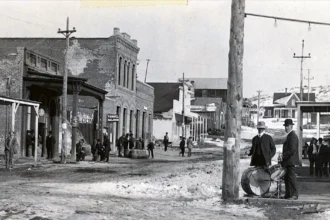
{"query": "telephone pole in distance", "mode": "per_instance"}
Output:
(302, 58)
(259, 91)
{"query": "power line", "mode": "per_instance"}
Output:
(287, 19)
(27, 22)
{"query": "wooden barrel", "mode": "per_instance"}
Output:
(255, 181)
(139, 154)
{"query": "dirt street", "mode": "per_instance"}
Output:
(167, 187)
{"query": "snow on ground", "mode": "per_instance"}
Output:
(181, 184)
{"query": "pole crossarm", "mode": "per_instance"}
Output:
(288, 19)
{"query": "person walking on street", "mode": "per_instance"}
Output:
(151, 147)
(165, 141)
(263, 148)
(11, 146)
(50, 143)
(106, 144)
(289, 160)
(190, 146)
(182, 146)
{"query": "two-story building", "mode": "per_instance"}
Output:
(109, 64)
(210, 95)
(170, 101)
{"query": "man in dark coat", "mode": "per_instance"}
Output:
(50, 143)
(312, 152)
(106, 144)
(79, 149)
(289, 160)
(165, 141)
(263, 147)
(323, 160)
(182, 146)
(131, 141)
(11, 146)
(151, 147)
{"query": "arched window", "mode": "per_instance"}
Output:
(125, 64)
(119, 70)
(128, 75)
(133, 76)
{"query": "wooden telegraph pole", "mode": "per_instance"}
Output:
(259, 91)
(231, 162)
(67, 34)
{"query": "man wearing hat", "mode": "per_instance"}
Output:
(263, 147)
(289, 160)
(322, 159)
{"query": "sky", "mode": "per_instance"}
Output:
(194, 38)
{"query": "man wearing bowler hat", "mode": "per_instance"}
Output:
(263, 147)
(289, 160)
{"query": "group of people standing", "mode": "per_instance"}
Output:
(319, 157)
(263, 149)
(101, 150)
(127, 142)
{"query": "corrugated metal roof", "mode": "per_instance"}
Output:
(209, 83)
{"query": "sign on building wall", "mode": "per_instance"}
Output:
(112, 118)
(202, 108)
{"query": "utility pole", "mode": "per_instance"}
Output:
(308, 79)
(66, 34)
(259, 91)
(302, 58)
(183, 106)
(231, 162)
(145, 78)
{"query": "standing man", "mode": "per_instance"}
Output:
(33, 141)
(289, 160)
(50, 143)
(263, 147)
(165, 141)
(323, 150)
(106, 144)
(11, 146)
(151, 147)
(79, 147)
(182, 146)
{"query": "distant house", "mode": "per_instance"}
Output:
(284, 104)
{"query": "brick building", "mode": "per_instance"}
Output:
(107, 63)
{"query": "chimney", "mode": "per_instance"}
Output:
(116, 31)
(134, 42)
(286, 91)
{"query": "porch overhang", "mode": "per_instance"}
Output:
(15, 103)
(55, 83)
(309, 107)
